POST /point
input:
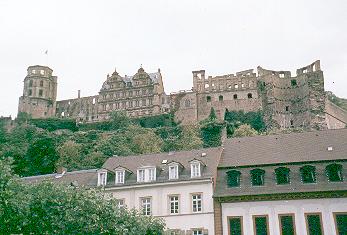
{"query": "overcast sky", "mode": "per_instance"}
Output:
(86, 40)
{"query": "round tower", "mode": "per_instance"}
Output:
(39, 93)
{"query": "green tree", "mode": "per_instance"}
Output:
(189, 138)
(48, 208)
(41, 156)
(211, 130)
(23, 117)
(119, 120)
(70, 155)
(245, 130)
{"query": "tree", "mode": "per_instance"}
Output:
(69, 155)
(245, 130)
(119, 120)
(48, 208)
(189, 138)
(23, 117)
(41, 156)
(211, 130)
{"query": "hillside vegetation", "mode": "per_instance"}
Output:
(39, 146)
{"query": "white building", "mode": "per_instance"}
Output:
(177, 187)
(288, 184)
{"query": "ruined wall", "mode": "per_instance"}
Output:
(184, 104)
(297, 102)
(336, 117)
(84, 109)
(232, 92)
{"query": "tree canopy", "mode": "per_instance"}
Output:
(48, 208)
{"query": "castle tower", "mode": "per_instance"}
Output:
(39, 93)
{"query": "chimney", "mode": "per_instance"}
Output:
(61, 170)
(79, 94)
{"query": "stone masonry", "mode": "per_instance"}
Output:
(286, 101)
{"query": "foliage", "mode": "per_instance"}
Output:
(211, 130)
(48, 208)
(156, 121)
(52, 124)
(234, 119)
(245, 130)
(23, 117)
(119, 120)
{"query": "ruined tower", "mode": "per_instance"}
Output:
(39, 93)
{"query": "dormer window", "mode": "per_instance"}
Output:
(146, 174)
(141, 175)
(120, 177)
(282, 175)
(102, 178)
(195, 169)
(258, 177)
(233, 178)
(173, 172)
(334, 172)
(308, 174)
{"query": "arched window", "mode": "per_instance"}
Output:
(208, 98)
(282, 175)
(233, 178)
(30, 83)
(257, 176)
(334, 172)
(187, 103)
(308, 174)
(235, 96)
(220, 98)
(249, 95)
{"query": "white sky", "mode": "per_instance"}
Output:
(86, 40)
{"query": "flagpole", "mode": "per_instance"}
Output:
(46, 57)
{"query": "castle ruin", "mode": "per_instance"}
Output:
(287, 101)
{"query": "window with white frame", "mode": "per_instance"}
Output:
(173, 172)
(151, 174)
(102, 178)
(141, 175)
(197, 232)
(146, 174)
(120, 177)
(120, 203)
(174, 204)
(195, 169)
(146, 206)
(197, 202)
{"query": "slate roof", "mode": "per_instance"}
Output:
(155, 77)
(285, 148)
(209, 159)
(288, 150)
(87, 178)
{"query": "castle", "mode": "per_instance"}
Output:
(287, 101)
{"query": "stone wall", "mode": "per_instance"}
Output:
(84, 109)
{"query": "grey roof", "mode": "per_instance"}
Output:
(132, 163)
(155, 77)
(288, 150)
(285, 148)
(86, 178)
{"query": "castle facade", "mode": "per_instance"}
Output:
(287, 101)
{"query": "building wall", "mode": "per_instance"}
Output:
(39, 92)
(274, 208)
(84, 109)
(159, 193)
(293, 101)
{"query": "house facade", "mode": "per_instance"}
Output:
(283, 184)
(177, 187)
